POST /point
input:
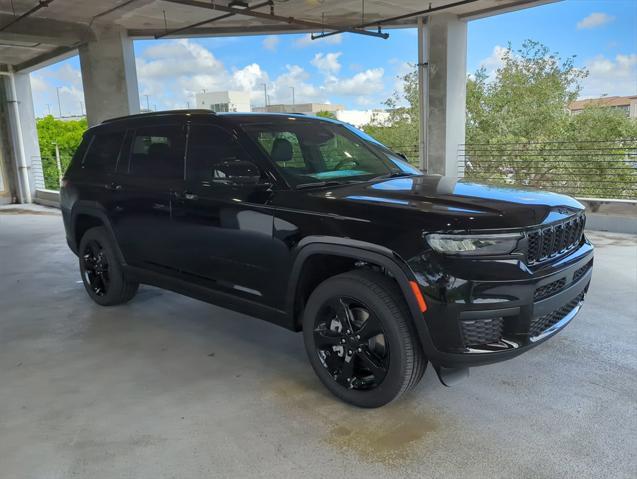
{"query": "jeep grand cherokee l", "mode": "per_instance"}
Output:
(315, 226)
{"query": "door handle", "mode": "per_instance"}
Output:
(113, 187)
(186, 195)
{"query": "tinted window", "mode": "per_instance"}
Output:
(214, 153)
(103, 152)
(158, 152)
(312, 151)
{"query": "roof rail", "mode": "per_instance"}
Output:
(195, 111)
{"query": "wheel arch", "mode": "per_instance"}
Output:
(352, 251)
(86, 215)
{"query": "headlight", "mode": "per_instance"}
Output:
(474, 245)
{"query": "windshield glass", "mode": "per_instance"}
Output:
(318, 151)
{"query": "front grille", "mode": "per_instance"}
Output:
(552, 241)
(582, 271)
(549, 289)
(542, 323)
(481, 331)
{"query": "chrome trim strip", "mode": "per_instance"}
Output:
(559, 325)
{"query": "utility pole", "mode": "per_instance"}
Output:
(188, 104)
(265, 95)
(293, 103)
(57, 90)
(81, 108)
(147, 103)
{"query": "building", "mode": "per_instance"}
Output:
(222, 101)
(358, 118)
(627, 104)
(307, 108)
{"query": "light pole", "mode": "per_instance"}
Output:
(57, 90)
(292, 95)
(265, 95)
(48, 106)
(81, 108)
(147, 103)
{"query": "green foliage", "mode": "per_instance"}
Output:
(68, 135)
(519, 129)
(327, 114)
(400, 131)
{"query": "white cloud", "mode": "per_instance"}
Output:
(271, 42)
(493, 61)
(364, 83)
(594, 20)
(172, 73)
(327, 63)
(609, 76)
(306, 41)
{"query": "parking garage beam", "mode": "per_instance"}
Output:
(109, 76)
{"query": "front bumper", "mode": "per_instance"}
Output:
(485, 311)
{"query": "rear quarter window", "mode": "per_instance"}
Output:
(103, 152)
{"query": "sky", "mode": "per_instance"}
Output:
(356, 71)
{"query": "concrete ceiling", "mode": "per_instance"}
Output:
(63, 25)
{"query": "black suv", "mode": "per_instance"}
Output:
(315, 226)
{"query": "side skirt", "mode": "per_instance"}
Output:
(218, 298)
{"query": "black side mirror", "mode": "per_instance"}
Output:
(238, 172)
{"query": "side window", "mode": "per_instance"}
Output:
(341, 152)
(214, 154)
(103, 152)
(158, 152)
(284, 149)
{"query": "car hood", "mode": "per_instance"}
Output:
(456, 204)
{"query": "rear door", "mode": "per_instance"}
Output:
(155, 167)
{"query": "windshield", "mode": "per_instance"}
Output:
(318, 151)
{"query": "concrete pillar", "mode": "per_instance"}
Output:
(109, 76)
(22, 169)
(447, 59)
(30, 142)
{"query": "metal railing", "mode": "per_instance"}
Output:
(585, 169)
(593, 169)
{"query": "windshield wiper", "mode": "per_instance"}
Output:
(395, 174)
(319, 184)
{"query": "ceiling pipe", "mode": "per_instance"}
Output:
(41, 4)
(278, 18)
(399, 17)
(210, 20)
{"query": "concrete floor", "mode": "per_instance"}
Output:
(169, 387)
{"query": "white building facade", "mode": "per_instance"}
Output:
(224, 101)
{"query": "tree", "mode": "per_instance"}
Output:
(519, 129)
(326, 114)
(400, 130)
(67, 135)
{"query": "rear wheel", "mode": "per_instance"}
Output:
(359, 341)
(102, 273)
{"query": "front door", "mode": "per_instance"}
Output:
(223, 216)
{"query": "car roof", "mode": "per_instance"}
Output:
(235, 118)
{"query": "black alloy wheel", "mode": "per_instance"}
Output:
(360, 339)
(350, 342)
(102, 273)
(96, 271)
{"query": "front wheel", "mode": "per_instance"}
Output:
(359, 341)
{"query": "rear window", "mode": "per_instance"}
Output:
(103, 152)
(158, 152)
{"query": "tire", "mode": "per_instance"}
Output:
(102, 273)
(378, 372)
